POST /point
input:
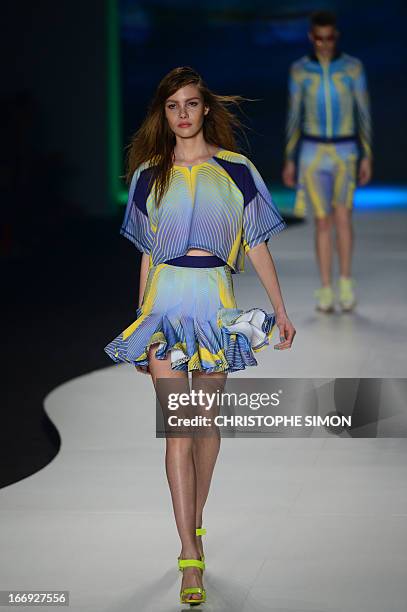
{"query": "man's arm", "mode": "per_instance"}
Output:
(293, 125)
(363, 110)
(364, 123)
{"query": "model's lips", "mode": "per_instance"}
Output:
(184, 124)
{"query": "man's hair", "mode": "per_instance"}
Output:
(323, 18)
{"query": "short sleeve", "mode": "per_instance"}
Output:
(136, 224)
(261, 217)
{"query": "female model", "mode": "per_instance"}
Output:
(196, 207)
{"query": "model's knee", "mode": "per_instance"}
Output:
(342, 217)
(180, 445)
(324, 225)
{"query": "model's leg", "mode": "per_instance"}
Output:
(345, 157)
(344, 238)
(206, 443)
(317, 180)
(180, 471)
(323, 248)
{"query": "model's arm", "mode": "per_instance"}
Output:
(144, 266)
(364, 124)
(293, 126)
(261, 220)
(263, 263)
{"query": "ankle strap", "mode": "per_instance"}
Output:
(200, 531)
(191, 563)
(193, 590)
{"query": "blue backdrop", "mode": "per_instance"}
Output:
(246, 48)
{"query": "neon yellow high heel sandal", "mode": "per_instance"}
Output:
(185, 594)
(199, 531)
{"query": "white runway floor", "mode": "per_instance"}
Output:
(294, 525)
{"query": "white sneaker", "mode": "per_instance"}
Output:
(326, 299)
(347, 299)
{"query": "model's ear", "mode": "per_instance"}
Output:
(206, 110)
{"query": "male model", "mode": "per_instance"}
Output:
(328, 114)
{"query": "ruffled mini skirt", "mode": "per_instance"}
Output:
(191, 312)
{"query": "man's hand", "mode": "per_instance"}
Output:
(289, 173)
(365, 170)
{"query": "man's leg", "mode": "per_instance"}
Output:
(344, 239)
(323, 248)
(344, 187)
(318, 186)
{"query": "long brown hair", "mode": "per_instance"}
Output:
(155, 141)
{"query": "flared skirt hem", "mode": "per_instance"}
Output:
(228, 346)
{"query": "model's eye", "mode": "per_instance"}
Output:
(193, 103)
(171, 106)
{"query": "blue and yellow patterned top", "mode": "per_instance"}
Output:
(326, 100)
(221, 205)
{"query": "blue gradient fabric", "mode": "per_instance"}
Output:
(192, 314)
(328, 100)
(326, 177)
(221, 205)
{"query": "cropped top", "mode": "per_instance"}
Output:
(221, 205)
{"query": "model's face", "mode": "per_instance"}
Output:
(185, 111)
(324, 40)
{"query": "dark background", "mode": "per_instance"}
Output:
(70, 282)
(247, 47)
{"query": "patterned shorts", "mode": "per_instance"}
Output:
(326, 177)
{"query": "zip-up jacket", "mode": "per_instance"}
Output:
(328, 101)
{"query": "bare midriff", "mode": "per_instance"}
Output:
(198, 252)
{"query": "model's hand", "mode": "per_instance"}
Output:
(289, 173)
(365, 170)
(287, 332)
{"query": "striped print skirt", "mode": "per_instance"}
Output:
(190, 311)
